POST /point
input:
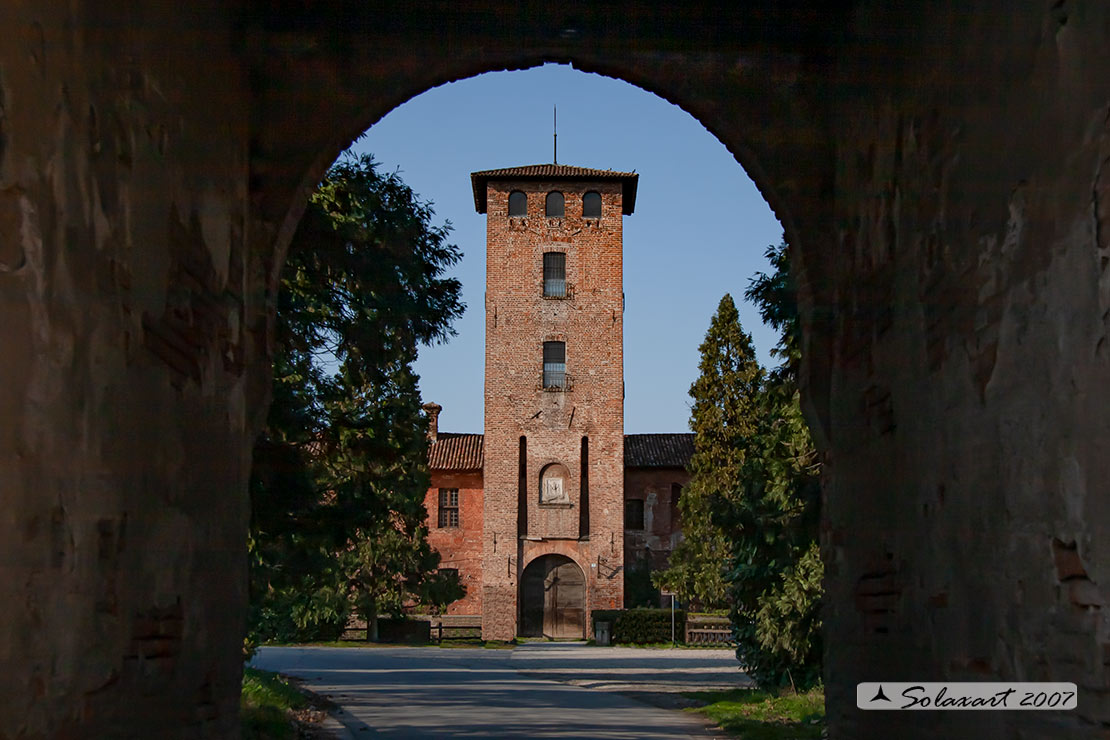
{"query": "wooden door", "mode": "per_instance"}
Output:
(553, 599)
(564, 601)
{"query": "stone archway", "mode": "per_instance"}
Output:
(553, 599)
(940, 170)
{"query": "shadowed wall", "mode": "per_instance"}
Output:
(939, 172)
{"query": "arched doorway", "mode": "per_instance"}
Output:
(553, 599)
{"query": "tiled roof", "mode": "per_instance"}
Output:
(464, 451)
(658, 450)
(455, 452)
(554, 172)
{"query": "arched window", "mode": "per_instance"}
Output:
(518, 203)
(591, 205)
(556, 206)
(553, 484)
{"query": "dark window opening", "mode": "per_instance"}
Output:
(556, 206)
(518, 203)
(522, 489)
(555, 275)
(591, 205)
(584, 495)
(634, 514)
(448, 507)
(554, 365)
(676, 493)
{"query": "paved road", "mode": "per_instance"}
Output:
(546, 690)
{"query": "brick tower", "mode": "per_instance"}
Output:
(552, 547)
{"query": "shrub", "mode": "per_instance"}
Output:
(641, 626)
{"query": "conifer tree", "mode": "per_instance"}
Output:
(723, 418)
(770, 523)
(340, 470)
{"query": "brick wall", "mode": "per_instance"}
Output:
(459, 547)
(518, 321)
(655, 487)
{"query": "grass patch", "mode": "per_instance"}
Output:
(663, 645)
(346, 644)
(751, 714)
(266, 706)
(460, 642)
(475, 642)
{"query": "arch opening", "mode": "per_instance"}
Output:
(553, 599)
(666, 251)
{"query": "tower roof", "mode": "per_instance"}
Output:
(628, 180)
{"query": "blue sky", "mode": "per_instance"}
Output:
(699, 230)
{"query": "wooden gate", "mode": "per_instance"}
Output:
(553, 599)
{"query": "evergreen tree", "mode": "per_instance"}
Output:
(725, 397)
(775, 570)
(776, 297)
(340, 471)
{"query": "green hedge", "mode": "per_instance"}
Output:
(639, 626)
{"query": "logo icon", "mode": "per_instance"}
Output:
(880, 696)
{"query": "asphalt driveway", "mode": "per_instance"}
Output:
(547, 690)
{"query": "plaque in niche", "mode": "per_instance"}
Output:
(553, 485)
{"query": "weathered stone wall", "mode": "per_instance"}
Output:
(131, 327)
(939, 169)
(966, 430)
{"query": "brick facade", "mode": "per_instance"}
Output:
(659, 490)
(459, 547)
(539, 429)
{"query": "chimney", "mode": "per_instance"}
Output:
(432, 410)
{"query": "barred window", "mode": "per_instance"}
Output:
(518, 203)
(591, 205)
(554, 364)
(634, 514)
(556, 206)
(555, 275)
(448, 507)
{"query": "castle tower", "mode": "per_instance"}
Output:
(552, 547)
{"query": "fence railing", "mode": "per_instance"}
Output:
(553, 380)
(453, 626)
(703, 629)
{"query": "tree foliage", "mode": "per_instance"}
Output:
(750, 512)
(774, 569)
(776, 297)
(340, 470)
(723, 417)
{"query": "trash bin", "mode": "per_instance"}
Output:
(602, 632)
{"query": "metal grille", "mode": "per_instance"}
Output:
(448, 507)
(555, 275)
(518, 203)
(554, 364)
(591, 205)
